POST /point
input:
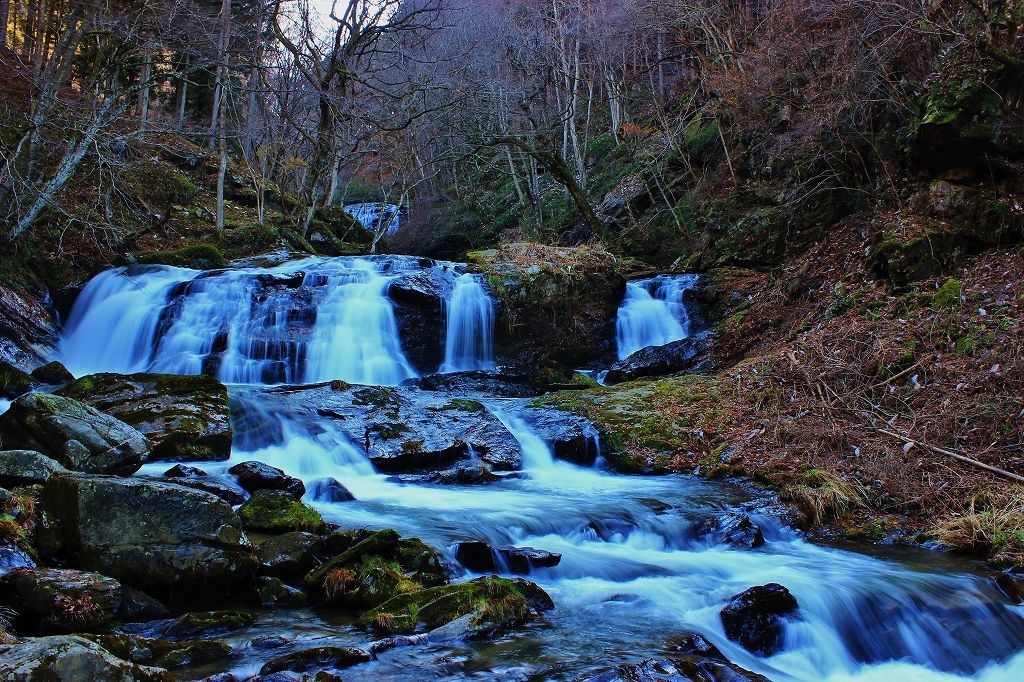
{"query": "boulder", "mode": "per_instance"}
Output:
(204, 623)
(78, 436)
(316, 659)
(419, 299)
(734, 529)
(255, 476)
(185, 418)
(70, 659)
(184, 471)
(55, 601)
(160, 537)
(26, 467)
(14, 382)
(137, 606)
(329, 490)
(501, 382)
(288, 556)
(496, 604)
(273, 592)
(161, 652)
(276, 511)
(692, 354)
(52, 373)
(482, 558)
(28, 328)
(571, 437)
(13, 558)
(754, 617)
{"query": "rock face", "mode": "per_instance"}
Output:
(28, 330)
(52, 373)
(26, 467)
(288, 556)
(753, 617)
(13, 558)
(160, 537)
(481, 557)
(691, 355)
(14, 382)
(254, 476)
(78, 436)
(558, 304)
(570, 436)
(185, 418)
(501, 382)
(419, 302)
(53, 600)
(70, 659)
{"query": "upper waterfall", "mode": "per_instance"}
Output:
(653, 313)
(311, 320)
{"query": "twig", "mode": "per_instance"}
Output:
(987, 467)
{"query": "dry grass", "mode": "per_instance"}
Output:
(384, 622)
(337, 582)
(990, 523)
(823, 496)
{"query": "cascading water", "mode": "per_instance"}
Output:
(653, 313)
(372, 215)
(636, 566)
(469, 316)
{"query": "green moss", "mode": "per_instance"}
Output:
(464, 405)
(949, 295)
(273, 511)
(204, 622)
(377, 396)
(198, 256)
(391, 430)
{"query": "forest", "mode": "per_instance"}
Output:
(511, 339)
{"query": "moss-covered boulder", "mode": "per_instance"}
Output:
(162, 653)
(26, 467)
(495, 604)
(185, 418)
(276, 511)
(14, 382)
(55, 601)
(52, 373)
(315, 660)
(352, 549)
(71, 659)
(195, 256)
(163, 538)
(288, 556)
(75, 434)
(558, 304)
(203, 623)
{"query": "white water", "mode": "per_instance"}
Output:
(469, 334)
(653, 313)
(4, 405)
(629, 578)
(371, 215)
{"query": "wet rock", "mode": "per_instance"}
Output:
(52, 373)
(161, 652)
(501, 382)
(54, 601)
(137, 606)
(277, 511)
(465, 473)
(481, 558)
(14, 382)
(12, 558)
(329, 490)
(754, 617)
(255, 476)
(71, 659)
(28, 329)
(1009, 586)
(288, 556)
(223, 488)
(204, 623)
(496, 604)
(319, 658)
(185, 418)
(692, 355)
(419, 299)
(429, 288)
(656, 506)
(269, 642)
(684, 669)
(273, 592)
(570, 436)
(160, 537)
(184, 471)
(694, 644)
(26, 467)
(734, 529)
(78, 436)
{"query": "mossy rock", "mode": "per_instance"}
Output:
(949, 295)
(496, 603)
(464, 405)
(202, 623)
(276, 511)
(162, 653)
(14, 382)
(358, 551)
(195, 256)
(903, 260)
(52, 373)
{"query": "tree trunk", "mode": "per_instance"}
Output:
(220, 80)
(5, 15)
(144, 87)
(221, 113)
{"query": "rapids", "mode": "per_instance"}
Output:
(636, 569)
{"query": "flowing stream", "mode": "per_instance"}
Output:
(636, 569)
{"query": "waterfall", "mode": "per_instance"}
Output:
(311, 320)
(371, 215)
(469, 315)
(653, 313)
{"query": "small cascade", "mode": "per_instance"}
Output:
(653, 313)
(372, 215)
(469, 338)
(4, 405)
(537, 454)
